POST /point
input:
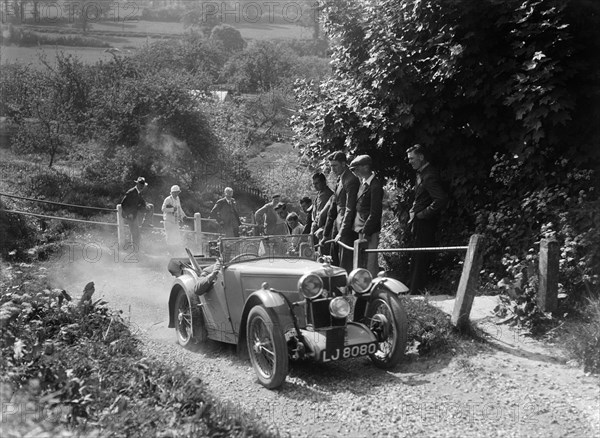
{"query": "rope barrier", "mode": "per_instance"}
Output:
(57, 217)
(429, 249)
(58, 203)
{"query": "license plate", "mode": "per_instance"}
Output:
(348, 352)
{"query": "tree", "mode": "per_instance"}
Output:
(230, 38)
(260, 67)
(504, 93)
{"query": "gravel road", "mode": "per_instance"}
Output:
(509, 386)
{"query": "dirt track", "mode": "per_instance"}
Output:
(511, 387)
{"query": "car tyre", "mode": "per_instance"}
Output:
(392, 329)
(267, 347)
(189, 322)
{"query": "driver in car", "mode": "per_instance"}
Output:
(206, 279)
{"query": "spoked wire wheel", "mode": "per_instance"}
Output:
(189, 322)
(267, 348)
(387, 319)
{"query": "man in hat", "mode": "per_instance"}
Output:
(132, 204)
(266, 217)
(340, 219)
(226, 213)
(429, 201)
(369, 208)
(172, 215)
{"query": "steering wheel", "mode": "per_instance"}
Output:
(241, 256)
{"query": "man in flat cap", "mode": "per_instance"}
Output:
(173, 214)
(132, 204)
(430, 199)
(226, 213)
(342, 211)
(369, 207)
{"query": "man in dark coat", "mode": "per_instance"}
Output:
(226, 213)
(307, 207)
(369, 208)
(320, 203)
(342, 211)
(132, 205)
(430, 199)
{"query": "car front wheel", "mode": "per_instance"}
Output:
(267, 347)
(387, 319)
(189, 322)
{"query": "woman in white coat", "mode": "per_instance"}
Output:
(172, 215)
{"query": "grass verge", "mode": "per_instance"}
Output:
(76, 369)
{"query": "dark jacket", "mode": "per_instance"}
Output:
(343, 209)
(320, 208)
(226, 214)
(369, 207)
(430, 196)
(132, 203)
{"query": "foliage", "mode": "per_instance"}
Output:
(260, 67)
(504, 94)
(47, 105)
(229, 37)
(81, 365)
(581, 336)
(200, 57)
(27, 38)
(429, 330)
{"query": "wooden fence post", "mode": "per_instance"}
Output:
(198, 230)
(468, 282)
(549, 256)
(120, 227)
(359, 256)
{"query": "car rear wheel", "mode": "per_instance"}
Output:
(267, 347)
(189, 322)
(387, 319)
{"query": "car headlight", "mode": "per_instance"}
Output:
(360, 280)
(339, 307)
(310, 285)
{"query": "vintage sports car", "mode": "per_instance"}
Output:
(270, 297)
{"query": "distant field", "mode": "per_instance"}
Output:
(152, 30)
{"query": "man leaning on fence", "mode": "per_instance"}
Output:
(340, 219)
(369, 208)
(430, 198)
(132, 205)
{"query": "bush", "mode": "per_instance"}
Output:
(28, 38)
(82, 365)
(580, 336)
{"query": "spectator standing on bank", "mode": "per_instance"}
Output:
(173, 214)
(430, 199)
(320, 210)
(342, 211)
(226, 213)
(281, 227)
(369, 208)
(307, 207)
(296, 228)
(266, 217)
(133, 206)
